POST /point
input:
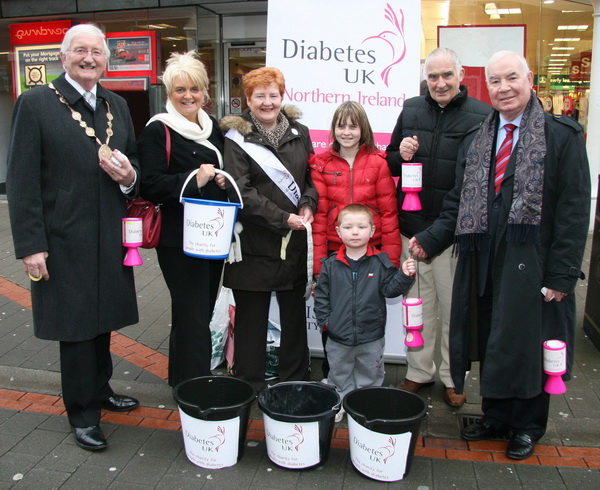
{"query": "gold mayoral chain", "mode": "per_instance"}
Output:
(104, 151)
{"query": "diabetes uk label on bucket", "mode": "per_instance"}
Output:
(210, 444)
(378, 456)
(292, 445)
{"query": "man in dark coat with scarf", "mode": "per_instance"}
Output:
(519, 217)
(67, 193)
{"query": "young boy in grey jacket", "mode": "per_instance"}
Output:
(350, 302)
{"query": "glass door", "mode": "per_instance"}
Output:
(241, 58)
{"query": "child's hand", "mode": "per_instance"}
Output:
(409, 267)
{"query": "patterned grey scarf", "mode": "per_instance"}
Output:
(273, 135)
(526, 208)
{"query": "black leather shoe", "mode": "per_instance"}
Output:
(520, 446)
(481, 431)
(119, 403)
(90, 438)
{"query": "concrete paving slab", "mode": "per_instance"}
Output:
(581, 480)
(90, 477)
(39, 442)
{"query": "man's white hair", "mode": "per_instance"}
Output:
(439, 52)
(501, 54)
(74, 31)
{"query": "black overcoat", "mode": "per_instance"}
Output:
(61, 201)
(521, 320)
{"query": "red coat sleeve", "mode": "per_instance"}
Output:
(391, 243)
(319, 225)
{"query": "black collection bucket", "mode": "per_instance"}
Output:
(214, 413)
(299, 418)
(383, 426)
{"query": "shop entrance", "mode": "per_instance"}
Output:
(243, 57)
(139, 108)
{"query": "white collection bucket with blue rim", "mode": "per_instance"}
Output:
(208, 225)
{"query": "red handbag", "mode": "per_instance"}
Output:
(151, 220)
(149, 211)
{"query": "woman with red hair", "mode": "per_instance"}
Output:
(267, 152)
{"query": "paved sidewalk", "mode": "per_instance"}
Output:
(146, 446)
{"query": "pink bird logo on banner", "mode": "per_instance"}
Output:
(394, 38)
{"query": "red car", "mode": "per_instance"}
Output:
(126, 55)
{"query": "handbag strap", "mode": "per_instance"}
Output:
(168, 143)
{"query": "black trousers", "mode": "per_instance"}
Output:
(85, 370)
(529, 415)
(193, 284)
(250, 338)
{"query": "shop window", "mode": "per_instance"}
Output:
(558, 43)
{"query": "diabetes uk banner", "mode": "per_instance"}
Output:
(332, 51)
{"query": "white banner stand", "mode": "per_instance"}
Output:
(395, 350)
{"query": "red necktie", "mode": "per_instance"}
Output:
(503, 156)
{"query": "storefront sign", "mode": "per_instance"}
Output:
(132, 54)
(36, 53)
(38, 32)
(36, 65)
(581, 69)
(125, 84)
(339, 50)
(562, 82)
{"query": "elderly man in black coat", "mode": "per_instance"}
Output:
(518, 216)
(67, 193)
(429, 130)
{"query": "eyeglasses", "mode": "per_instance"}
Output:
(96, 53)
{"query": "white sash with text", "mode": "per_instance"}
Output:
(270, 165)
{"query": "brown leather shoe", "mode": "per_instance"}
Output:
(412, 386)
(454, 399)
